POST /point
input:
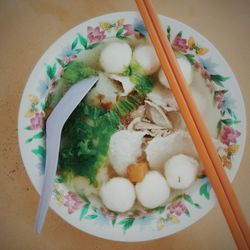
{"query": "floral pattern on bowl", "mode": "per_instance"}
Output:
(39, 99)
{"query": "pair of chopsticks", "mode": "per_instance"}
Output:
(196, 127)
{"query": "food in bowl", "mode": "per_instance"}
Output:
(126, 142)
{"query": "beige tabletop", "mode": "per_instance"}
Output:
(27, 28)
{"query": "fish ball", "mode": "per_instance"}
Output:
(186, 69)
(153, 191)
(147, 58)
(118, 194)
(115, 57)
(181, 171)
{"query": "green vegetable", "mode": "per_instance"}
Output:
(86, 136)
(143, 83)
(76, 71)
(128, 104)
(84, 147)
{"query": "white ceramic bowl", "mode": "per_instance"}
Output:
(85, 214)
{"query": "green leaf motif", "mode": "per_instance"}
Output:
(187, 212)
(73, 45)
(51, 71)
(191, 58)
(218, 79)
(231, 113)
(160, 209)
(113, 222)
(168, 33)
(39, 151)
(29, 140)
(197, 205)
(78, 51)
(60, 62)
(92, 46)
(39, 135)
(189, 199)
(36, 136)
(119, 33)
(83, 41)
(180, 33)
(84, 210)
(230, 121)
(178, 197)
(84, 197)
(126, 223)
(27, 128)
(91, 216)
(219, 127)
(204, 190)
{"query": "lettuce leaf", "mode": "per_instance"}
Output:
(76, 71)
(143, 83)
(84, 144)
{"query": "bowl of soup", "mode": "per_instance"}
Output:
(128, 169)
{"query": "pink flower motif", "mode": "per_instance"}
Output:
(73, 202)
(52, 83)
(68, 59)
(65, 60)
(211, 87)
(72, 57)
(108, 213)
(180, 43)
(204, 71)
(60, 71)
(177, 208)
(137, 214)
(95, 34)
(37, 122)
(228, 135)
(198, 65)
(129, 28)
(220, 98)
(123, 214)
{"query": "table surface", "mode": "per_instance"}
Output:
(27, 28)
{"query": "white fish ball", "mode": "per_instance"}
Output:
(115, 57)
(186, 69)
(146, 56)
(118, 194)
(181, 171)
(153, 191)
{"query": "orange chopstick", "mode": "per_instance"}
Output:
(199, 123)
(201, 138)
